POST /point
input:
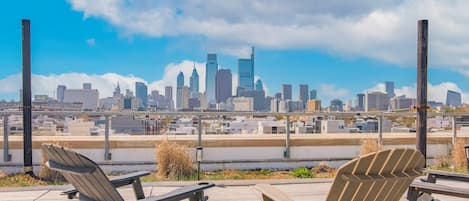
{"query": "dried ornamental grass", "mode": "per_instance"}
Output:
(458, 155)
(369, 146)
(174, 161)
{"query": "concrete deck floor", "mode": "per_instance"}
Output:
(300, 190)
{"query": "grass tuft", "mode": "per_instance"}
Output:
(369, 146)
(458, 155)
(174, 161)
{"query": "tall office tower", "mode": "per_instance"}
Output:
(453, 98)
(194, 83)
(336, 106)
(117, 91)
(376, 101)
(179, 86)
(390, 89)
(246, 73)
(303, 94)
(141, 92)
(60, 93)
(360, 102)
(223, 85)
(211, 69)
(87, 86)
(185, 97)
(314, 105)
(313, 94)
(168, 94)
(286, 92)
(259, 85)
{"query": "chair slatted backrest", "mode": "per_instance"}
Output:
(92, 185)
(381, 176)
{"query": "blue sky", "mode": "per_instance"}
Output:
(95, 38)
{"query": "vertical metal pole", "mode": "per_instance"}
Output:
(199, 147)
(6, 154)
(287, 140)
(27, 116)
(453, 129)
(107, 154)
(422, 54)
(380, 129)
(199, 124)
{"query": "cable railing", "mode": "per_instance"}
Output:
(199, 117)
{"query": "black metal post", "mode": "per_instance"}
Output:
(422, 54)
(27, 136)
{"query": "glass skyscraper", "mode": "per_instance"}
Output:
(246, 73)
(141, 92)
(390, 89)
(286, 92)
(211, 69)
(224, 85)
(259, 85)
(194, 83)
(180, 85)
(303, 94)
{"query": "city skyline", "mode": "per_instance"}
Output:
(97, 49)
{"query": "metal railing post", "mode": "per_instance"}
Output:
(107, 154)
(453, 129)
(6, 154)
(199, 149)
(380, 129)
(286, 153)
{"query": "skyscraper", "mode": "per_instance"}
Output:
(60, 93)
(117, 91)
(453, 98)
(360, 102)
(180, 80)
(179, 93)
(259, 85)
(286, 92)
(246, 73)
(141, 92)
(194, 83)
(168, 94)
(223, 85)
(211, 69)
(313, 94)
(390, 89)
(376, 101)
(303, 94)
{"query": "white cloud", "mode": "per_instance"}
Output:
(435, 92)
(330, 91)
(383, 30)
(91, 42)
(105, 83)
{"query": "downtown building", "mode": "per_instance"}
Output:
(87, 96)
(211, 69)
(223, 85)
(453, 98)
(246, 74)
(141, 92)
(376, 101)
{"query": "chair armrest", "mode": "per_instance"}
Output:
(270, 193)
(193, 192)
(431, 188)
(119, 181)
(447, 175)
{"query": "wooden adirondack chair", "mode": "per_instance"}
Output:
(384, 176)
(92, 184)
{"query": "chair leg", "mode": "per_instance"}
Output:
(198, 196)
(412, 194)
(138, 190)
